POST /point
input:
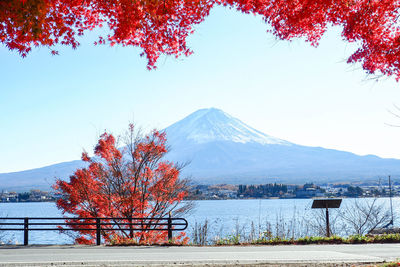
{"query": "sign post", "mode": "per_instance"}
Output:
(326, 204)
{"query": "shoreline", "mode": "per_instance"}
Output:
(270, 198)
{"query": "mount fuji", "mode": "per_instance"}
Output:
(222, 149)
(210, 125)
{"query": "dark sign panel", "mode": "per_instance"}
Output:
(326, 203)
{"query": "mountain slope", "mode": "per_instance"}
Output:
(223, 149)
(40, 178)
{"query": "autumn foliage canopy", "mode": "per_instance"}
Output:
(162, 26)
(130, 182)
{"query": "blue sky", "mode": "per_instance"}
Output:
(53, 107)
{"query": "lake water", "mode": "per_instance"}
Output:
(224, 216)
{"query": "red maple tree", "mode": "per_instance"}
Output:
(162, 26)
(132, 182)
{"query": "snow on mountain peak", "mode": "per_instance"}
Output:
(207, 125)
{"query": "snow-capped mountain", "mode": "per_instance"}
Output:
(210, 125)
(223, 149)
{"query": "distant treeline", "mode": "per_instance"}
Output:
(33, 195)
(263, 190)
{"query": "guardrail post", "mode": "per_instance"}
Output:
(98, 234)
(26, 230)
(169, 227)
(131, 226)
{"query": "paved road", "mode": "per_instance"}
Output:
(309, 255)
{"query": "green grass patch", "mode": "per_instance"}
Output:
(354, 239)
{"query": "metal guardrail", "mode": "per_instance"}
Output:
(134, 224)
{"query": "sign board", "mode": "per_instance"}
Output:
(326, 203)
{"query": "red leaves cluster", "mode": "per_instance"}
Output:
(132, 182)
(162, 26)
(370, 23)
(28, 23)
(156, 26)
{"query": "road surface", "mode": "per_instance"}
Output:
(306, 255)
